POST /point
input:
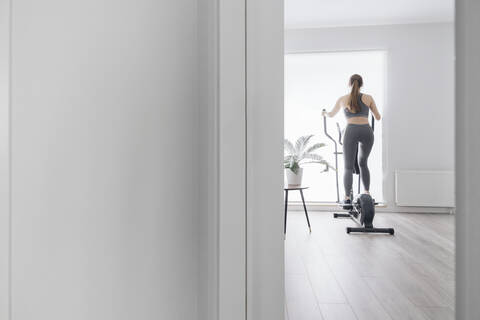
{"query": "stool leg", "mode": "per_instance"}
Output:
(306, 213)
(285, 217)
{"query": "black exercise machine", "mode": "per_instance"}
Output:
(362, 209)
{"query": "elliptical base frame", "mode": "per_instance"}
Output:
(390, 231)
(361, 228)
(354, 213)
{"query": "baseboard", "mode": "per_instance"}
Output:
(384, 208)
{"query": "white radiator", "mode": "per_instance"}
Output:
(425, 188)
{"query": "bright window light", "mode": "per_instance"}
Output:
(314, 81)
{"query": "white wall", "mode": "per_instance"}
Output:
(418, 115)
(105, 177)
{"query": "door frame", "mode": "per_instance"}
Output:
(229, 146)
(467, 157)
(265, 128)
(248, 148)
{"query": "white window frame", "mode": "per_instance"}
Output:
(327, 205)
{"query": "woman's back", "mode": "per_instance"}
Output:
(364, 109)
(365, 102)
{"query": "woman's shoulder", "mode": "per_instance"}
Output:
(366, 98)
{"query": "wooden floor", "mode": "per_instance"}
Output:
(332, 275)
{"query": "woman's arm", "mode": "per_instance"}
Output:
(374, 109)
(335, 109)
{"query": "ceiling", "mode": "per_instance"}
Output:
(334, 13)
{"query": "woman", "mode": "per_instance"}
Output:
(358, 133)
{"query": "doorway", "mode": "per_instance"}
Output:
(407, 64)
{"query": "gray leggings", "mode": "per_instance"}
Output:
(357, 136)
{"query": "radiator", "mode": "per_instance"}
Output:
(425, 188)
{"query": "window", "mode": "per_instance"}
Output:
(314, 81)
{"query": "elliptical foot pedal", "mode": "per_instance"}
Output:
(341, 215)
(348, 207)
(346, 204)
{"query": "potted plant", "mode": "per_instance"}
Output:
(300, 154)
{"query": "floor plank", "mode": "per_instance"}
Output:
(437, 313)
(408, 276)
(337, 311)
(398, 306)
(323, 282)
(301, 303)
(362, 300)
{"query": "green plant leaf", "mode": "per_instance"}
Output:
(312, 156)
(315, 147)
(294, 156)
(294, 167)
(288, 146)
(301, 143)
(320, 161)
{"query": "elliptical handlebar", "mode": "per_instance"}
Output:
(325, 129)
(339, 134)
(336, 153)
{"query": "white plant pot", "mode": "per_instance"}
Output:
(294, 180)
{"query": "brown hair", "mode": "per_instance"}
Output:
(356, 82)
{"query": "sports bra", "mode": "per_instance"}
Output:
(364, 109)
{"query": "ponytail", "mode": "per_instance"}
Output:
(356, 82)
